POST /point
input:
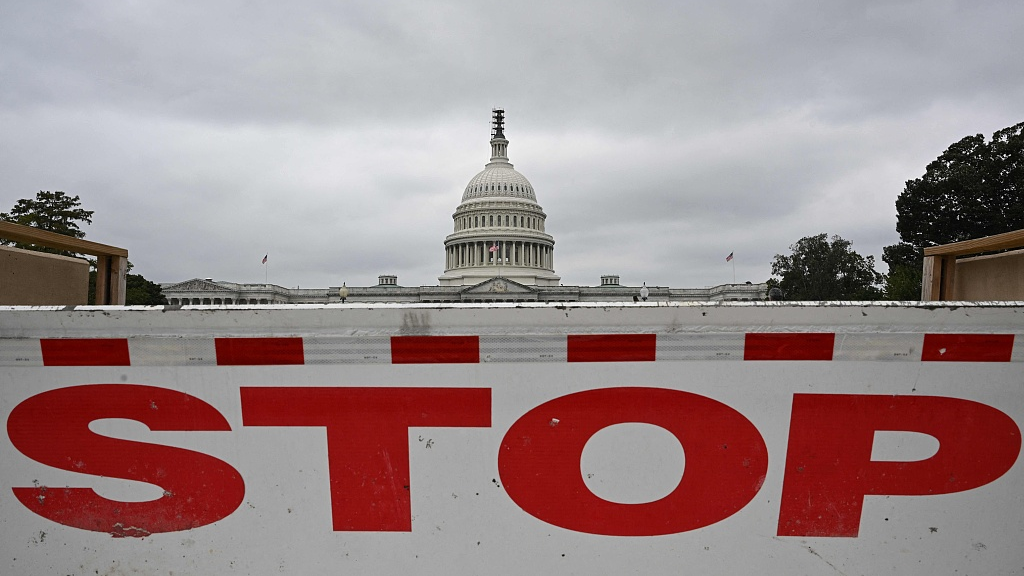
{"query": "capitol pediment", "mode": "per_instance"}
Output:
(498, 286)
(197, 285)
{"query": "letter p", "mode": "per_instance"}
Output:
(829, 469)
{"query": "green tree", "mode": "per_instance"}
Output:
(819, 269)
(138, 290)
(903, 282)
(974, 189)
(53, 211)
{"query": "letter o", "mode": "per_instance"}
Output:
(539, 461)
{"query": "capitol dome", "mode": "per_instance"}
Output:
(499, 226)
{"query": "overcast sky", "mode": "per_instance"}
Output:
(338, 137)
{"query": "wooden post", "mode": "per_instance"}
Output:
(102, 281)
(931, 279)
(118, 277)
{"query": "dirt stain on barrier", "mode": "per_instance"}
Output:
(415, 324)
(831, 565)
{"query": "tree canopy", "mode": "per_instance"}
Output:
(973, 189)
(820, 269)
(52, 211)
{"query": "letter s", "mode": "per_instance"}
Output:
(53, 428)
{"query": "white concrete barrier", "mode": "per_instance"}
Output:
(510, 439)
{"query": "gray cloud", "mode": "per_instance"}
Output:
(338, 137)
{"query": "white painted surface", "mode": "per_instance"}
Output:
(464, 522)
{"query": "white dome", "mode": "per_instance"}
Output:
(500, 181)
(499, 226)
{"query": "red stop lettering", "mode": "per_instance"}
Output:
(53, 428)
(539, 462)
(368, 440)
(829, 468)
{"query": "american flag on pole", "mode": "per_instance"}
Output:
(265, 259)
(729, 257)
(494, 248)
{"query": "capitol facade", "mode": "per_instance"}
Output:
(498, 251)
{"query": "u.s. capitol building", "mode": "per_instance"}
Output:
(498, 251)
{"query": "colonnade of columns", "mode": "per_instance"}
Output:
(508, 253)
(219, 301)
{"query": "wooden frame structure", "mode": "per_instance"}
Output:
(939, 271)
(111, 261)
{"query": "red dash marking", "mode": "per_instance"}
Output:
(611, 347)
(796, 346)
(967, 348)
(258, 351)
(435, 349)
(85, 352)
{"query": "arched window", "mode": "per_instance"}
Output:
(492, 220)
(514, 221)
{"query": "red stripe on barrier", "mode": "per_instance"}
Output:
(611, 347)
(967, 348)
(797, 346)
(435, 349)
(258, 351)
(85, 352)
